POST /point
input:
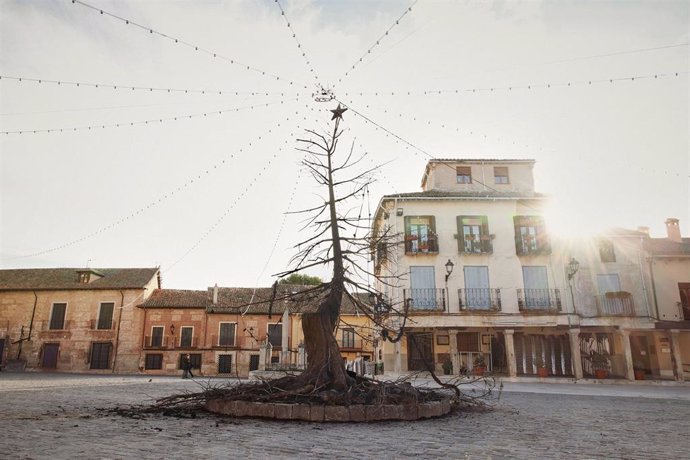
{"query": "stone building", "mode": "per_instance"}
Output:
(70, 319)
(234, 331)
(485, 284)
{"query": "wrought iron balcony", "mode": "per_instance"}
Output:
(101, 324)
(477, 244)
(188, 342)
(350, 343)
(615, 304)
(56, 325)
(539, 300)
(425, 299)
(223, 341)
(415, 245)
(480, 299)
(156, 341)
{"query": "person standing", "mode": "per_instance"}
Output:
(187, 366)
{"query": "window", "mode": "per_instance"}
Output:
(348, 337)
(57, 316)
(157, 336)
(275, 334)
(100, 355)
(194, 360)
(608, 283)
(84, 277)
(105, 315)
(224, 364)
(227, 335)
(468, 341)
(530, 235)
(464, 174)
(153, 361)
(606, 251)
(420, 234)
(186, 334)
(253, 362)
(500, 175)
(473, 235)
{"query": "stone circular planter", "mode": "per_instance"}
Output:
(323, 413)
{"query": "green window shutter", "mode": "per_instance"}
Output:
(518, 240)
(485, 236)
(543, 243)
(461, 234)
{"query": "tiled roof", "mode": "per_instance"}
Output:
(666, 247)
(482, 160)
(176, 298)
(489, 194)
(237, 300)
(68, 278)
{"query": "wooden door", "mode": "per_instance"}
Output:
(420, 352)
(50, 355)
(100, 355)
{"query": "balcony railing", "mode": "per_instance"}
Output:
(476, 244)
(57, 325)
(425, 299)
(223, 341)
(349, 343)
(102, 325)
(155, 341)
(480, 299)
(539, 299)
(414, 245)
(192, 342)
(615, 304)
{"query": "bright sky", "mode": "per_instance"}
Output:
(205, 197)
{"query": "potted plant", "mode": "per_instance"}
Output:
(447, 367)
(638, 368)
(600, 364)
(479, 365)
(541, 368)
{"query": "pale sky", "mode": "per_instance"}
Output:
(205, 197)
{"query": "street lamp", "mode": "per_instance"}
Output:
(449, 271)
(572, 268)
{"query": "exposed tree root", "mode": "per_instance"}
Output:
(291, 389)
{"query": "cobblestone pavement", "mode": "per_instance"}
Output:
(55, 416)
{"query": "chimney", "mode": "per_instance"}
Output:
(215, 294)
(643, 229)
(673, 229)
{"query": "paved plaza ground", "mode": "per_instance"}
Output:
(56, 416)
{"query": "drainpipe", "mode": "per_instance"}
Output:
(31, 326)
(644, 286)
(117, 335)
(651, 271)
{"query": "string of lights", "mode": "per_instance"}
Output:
(197, 48)
(377, 42)
(183, 187)
(310, 66)
(569, 84)
(279, 233)
(148, 89)
(227, 210)
(147, 122)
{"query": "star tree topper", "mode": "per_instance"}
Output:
(338, 113)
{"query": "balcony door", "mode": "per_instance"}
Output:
(536, 286)
(477, 287)
(422, 287)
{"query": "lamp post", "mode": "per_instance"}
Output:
(449, 271)
(570, 270)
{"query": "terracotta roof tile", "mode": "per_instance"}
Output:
(68, 278)
(176, 298)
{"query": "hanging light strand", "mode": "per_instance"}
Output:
(433, 92)
(300, 48)
(176, 191)
(152, 121)
(377, 42)
(184, 43)
(148, 89)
